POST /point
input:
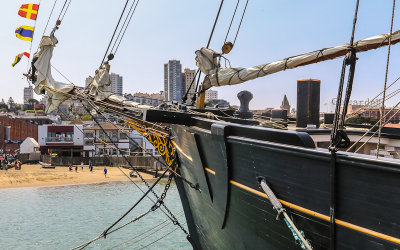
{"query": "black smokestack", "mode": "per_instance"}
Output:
(308, 94)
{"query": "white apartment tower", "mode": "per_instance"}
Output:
(188, 75)
(116, 86)
(28, 94)
(173, 84)
(211, 94)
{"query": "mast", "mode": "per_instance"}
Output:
(207, 60)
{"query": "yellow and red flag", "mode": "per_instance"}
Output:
(29, 11)
(19, 57)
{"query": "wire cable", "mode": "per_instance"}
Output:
(233, 17)
(240, 24)
(123, 25)
(115, 31)
(384, 86)
(165, 235)
(126, 27)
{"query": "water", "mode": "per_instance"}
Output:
(66, 216)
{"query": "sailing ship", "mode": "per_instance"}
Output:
(232, 166)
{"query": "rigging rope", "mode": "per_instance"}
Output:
(115, 31)
(135, 169)
(368, 105)
(233, 17)
(165, 235)
(153, 208)
(48, 20)
(123, 25)
(387, 121)
(240, 24)
(190, 86)
(65, 2)
(194, 186)
(66, 9)
(339, 138)
(130, 179)
(384, 88)
(208, 44)
(33, 37)
(166, 222)
(126, 27)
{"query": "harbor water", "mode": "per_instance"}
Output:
(64, 217)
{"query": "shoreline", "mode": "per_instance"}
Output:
(33, 176)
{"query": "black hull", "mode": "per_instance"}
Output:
(231, 212)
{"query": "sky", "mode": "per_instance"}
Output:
(163, 30)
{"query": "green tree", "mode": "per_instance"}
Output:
(33, 101)
(361, 120)
(86, 117)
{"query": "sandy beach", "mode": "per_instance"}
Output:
(35, 176)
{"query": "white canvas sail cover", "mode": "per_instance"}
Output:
(56, 91)
(215, 76)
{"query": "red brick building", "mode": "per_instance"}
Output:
(14, 130)
(376, 114)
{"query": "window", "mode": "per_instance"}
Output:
(123, 135)
(89, 135)
(114, 134)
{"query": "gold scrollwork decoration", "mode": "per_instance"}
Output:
(159, 140)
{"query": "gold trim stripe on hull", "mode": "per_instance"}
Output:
(321, 216)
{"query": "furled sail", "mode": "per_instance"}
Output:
(207, 61)
(57, 92)
(100, 88)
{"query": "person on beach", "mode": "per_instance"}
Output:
(70, 168)
(82, 165)
(90, 166)
(105, 172)
(76, 169)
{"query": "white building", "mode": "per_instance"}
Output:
(97, 143)
(141, 146)
(116, 86)
(211, 94)
(62, 140)
(29, 145)
(188, 77)
(28, 94)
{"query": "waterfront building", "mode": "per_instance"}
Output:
(375, 113)
(188, 77)
(63, 140)
(139, 146)
(211, 94)
(14, 130)
(173, 83)
(28, 94)
(97, 143)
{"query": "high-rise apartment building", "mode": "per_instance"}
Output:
(28, 94)
(188, 76)
(116, 86)
(173, 84)
(211, 94)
